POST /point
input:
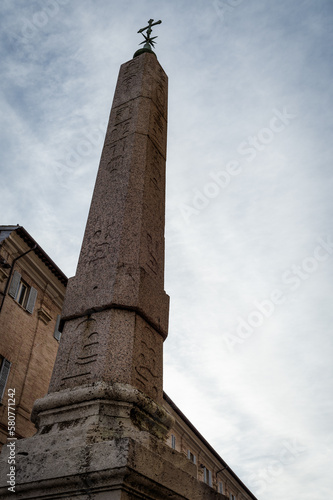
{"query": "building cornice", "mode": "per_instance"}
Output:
(206, 444)
(41, 254)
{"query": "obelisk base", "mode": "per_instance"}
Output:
(101, 411)
(121, 469)
(101, 442)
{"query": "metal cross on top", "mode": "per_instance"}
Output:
(149, 41)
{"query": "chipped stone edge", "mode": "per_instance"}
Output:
(102, 391)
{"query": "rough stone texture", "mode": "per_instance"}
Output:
(114, 346)
(122, 256)
(104, 410)
(116, 309)
(101, 442)
(122, 468)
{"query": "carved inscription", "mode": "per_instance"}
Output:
(152, 247)
(84, 352)
(161, 96)
(129, 76)
(128, 82)
(97, 245)
(116, 143)
(123, 113)
(116, 155)
(115, 165)
(119, 131)
(156, 168)
(158, 130)
(146, 368)
(162, 75)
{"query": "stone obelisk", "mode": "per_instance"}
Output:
(102, 426)
(116, 310)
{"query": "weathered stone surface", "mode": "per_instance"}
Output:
(122, 257)
(114, 411)
(116, 310)
(114, 346)
(121, 468)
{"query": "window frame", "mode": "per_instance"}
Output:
(208, 477)
(22, 298)
(191, 457)
(28, 301)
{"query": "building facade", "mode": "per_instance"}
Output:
(32, 290)
(210, 467)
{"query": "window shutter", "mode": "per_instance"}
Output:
(56, 333)
(210, 481)
(31, 300)
(220, 487)
(14, 285)
(194, 459)
(205, 475)
(189, 454)
(4, 373)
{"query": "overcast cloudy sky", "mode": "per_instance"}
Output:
(249, 238)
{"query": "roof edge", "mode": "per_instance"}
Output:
(205, 442)
(41, 254)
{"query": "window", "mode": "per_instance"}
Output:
(208, 477)
(173, 442)
(24, 294)
(232, 497)
(4, 373)
(220, 487)
(191, 457)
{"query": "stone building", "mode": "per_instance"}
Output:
(210, 466)
(105, 429)
(32, 290)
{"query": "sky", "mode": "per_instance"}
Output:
(249, 242)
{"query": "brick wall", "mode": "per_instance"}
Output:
(26, 339)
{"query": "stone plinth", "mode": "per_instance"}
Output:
(101, 442)
(122, 469)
